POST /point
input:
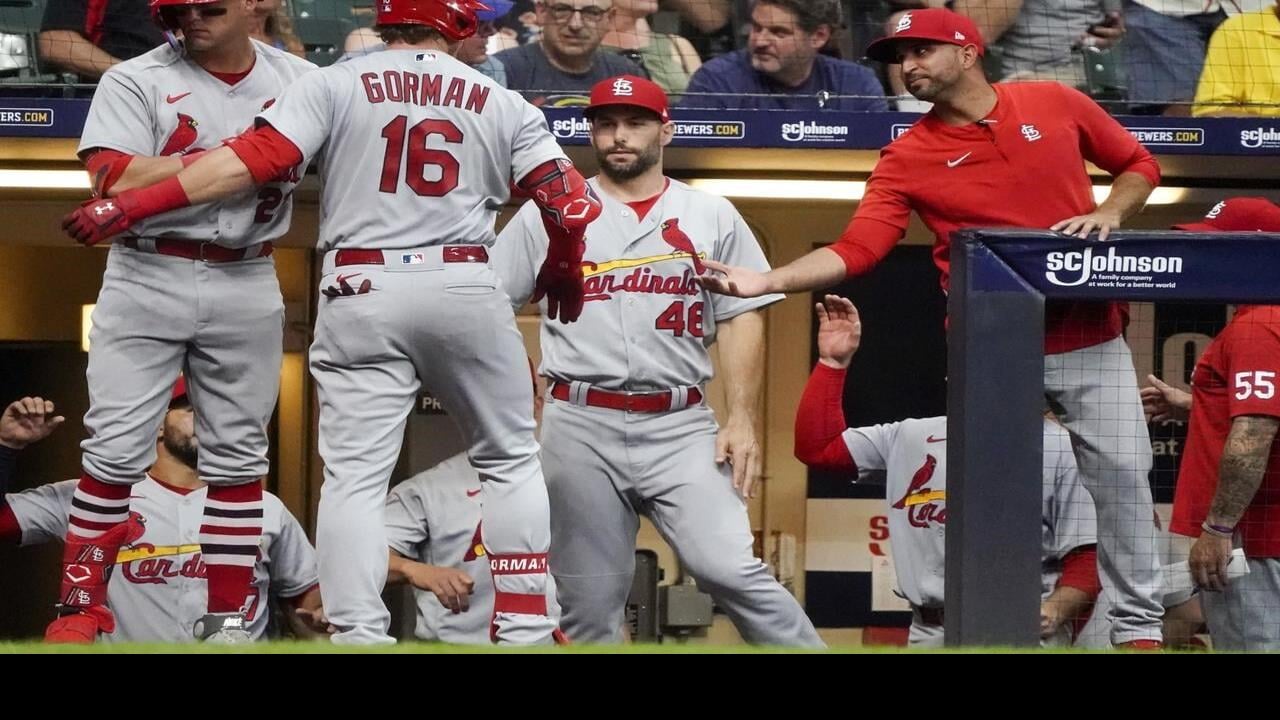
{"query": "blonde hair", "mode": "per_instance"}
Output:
(280, 26)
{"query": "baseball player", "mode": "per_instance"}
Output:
(159, 583)
(626, 431)
(194, 291)
(1229, 481)
(913, 455)
(984, 156)
(420, 150)
(434, 532)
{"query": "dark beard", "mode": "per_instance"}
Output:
(644, 160)
(188, 453)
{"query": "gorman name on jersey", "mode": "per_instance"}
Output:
(424, 89)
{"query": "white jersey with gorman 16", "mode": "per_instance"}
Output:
(396, 183)
(913, 453)
(158, 589)
(163, 104)
(649, 322)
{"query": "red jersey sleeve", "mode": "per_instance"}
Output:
(1254, 365)
(880, 222)
(864, 243)
(1105, 142)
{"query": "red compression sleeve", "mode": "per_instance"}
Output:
(105, 167)
(266, 152)
(820, 421)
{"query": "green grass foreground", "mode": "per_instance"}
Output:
(308, 648)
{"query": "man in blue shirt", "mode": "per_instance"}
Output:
(782, 68)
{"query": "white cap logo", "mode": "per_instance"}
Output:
(622, 87)
(959, 35)
(386, 6)
(1216, 211)
(904, 23)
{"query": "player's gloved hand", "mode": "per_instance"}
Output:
(101, 218)
(560, 278)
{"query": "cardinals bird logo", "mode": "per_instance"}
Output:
(676, 238)
(182, 136)
(918, 481)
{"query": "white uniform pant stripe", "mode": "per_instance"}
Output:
(234, 560)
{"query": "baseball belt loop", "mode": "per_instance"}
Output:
(253, 251)
(679, 398)
(578, 392)
(145, 244)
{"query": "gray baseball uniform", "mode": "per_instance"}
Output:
(913, 456)
(646, 326)
(153, 308)
(408, 228)
(158, 590)
(434, 518)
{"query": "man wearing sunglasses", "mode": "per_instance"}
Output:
(561, 68)
(193, 291)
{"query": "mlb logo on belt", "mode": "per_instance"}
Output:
(412, 259)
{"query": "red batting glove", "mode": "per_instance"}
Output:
(101, 218)
(560, 279)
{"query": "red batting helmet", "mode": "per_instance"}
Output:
(455, 19)
(168, 23)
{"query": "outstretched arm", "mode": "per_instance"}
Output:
(255, 157)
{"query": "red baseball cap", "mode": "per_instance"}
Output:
(179, 389)
(1242, 214)
(630, 90)
(933, 24)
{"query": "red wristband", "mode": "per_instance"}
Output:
(166, 195)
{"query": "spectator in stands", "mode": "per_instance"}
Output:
(782, 67)
(706, 16)
(523, 23)
(559, 69)
(670, 60)
(271, 25)
(1242, 70)
(1166, 45)
(708, 25)
(79, 39)
(1042, 39)
(472, 51)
